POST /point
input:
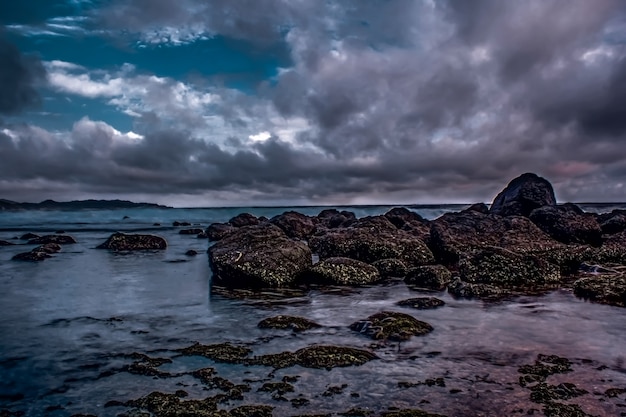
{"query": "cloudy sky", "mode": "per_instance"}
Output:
(240, 102)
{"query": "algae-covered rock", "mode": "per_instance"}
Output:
(218, 231)
(166, 405)
(546, 393)
(462, 289)
(434, 277)
(422, 303)
(390, 268)
(58, 239)
(39, 253)
(297, 324)
(341, 271)
(324, 356)
(564, 410)
(221, 352)
(295, 225)
(605, 289)
(258, 256)
(568, 224)
(133, 242)
(369, 240)
(503, 268)
(391, 325)
(252, 411)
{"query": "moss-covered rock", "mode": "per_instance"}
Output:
(127, 242)
(546, 393)
(325, 356)
(463, 289)
(435, 277)
(390, 268)
(422, 303)
(170, 405)
(258, 256)
(221, 352)
(296, 324)
(564, 410)
(341, 271)
(58, 239)
(218, 231)
(39, 253)
(391, 325)
(295, 225)
(605, 289)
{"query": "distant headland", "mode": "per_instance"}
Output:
(76, 205)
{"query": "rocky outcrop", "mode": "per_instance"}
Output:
(258, 256)
(568, 224)
(522, 195)
(341, 271)
(133, 242)
(370, 240)
(613, 222)
(605, 289)
(613, 250)
(58, 239)
(39, 253)
(435, 277)
(295, 225)
(390, 268)
(332, 218)
(218, 231)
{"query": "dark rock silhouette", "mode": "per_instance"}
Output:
(522, 195)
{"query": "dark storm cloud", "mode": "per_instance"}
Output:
(401, 101)
(19, 77)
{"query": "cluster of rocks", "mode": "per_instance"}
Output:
(524, 242)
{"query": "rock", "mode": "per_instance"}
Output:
(613, 250)
(258, 256)
(434, 277)
(58, 239)
(369, 240)
(502, 268)
(29, 236)
(605, 289)
(341, 271)
(522, 195)
(333, 218)
(401, 216)
(327, 357)
(126, 242)
(613, 222)
(409, 412)
(5, 243)
(568, 224)
(178, 224)
(297, 324)
(295, 225)
(422, 303)
(462, 289)
(202, 235)
(191, 252)
(218, 231)
(39, 253)
(390, 268)
(391, 325)
(244, 219)
(479, 207)
(194, 231)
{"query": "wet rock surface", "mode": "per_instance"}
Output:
(295, 225)
(522, 195)
(341, 271)
(435, 277)
(568, 224)
(39, 253)
(133, 242)
(297, 324)
(391, 325)
(258, 256)
(58, 239)
(422, 303)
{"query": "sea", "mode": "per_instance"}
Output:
(71, 325)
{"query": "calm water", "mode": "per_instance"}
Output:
(68, 320)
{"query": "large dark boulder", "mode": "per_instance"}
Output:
(613, 222)
(258, 256)
(58, 239)
(125, 242)
(409, 221)
(568, 224)
(341, 271)
(522, 195)
(244, 219)
(332, 218)
(295, 225)
(369, 240)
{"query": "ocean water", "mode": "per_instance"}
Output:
(69, 324)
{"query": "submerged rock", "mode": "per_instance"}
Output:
(391, 325)
(341, 271)
(422, 303)
(258, 256)
(221, 352)
(522, 195)
(29, 236)
(39, 253)
(297, 324)
(125, 242)
(58, 239)
(327, 357)
(435, 277)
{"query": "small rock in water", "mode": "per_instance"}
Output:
(124, 242)
(191, 252)
(422, 303)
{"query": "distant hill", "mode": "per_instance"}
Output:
(75, 205)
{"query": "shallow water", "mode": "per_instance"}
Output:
(66, 324)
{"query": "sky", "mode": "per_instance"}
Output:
(296, 102)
